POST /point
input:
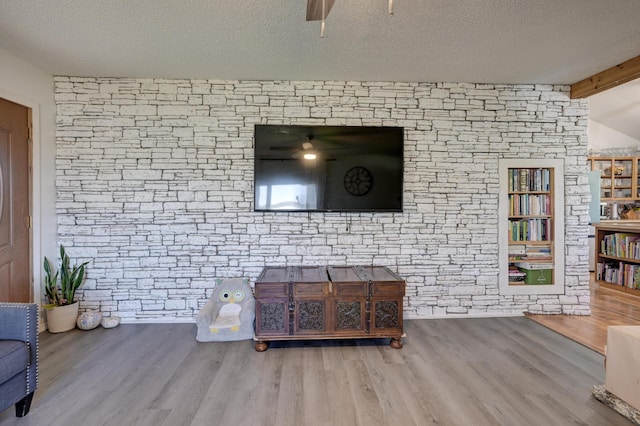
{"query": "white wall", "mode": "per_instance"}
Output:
(603, 138)
(27, 85)
(155, 187)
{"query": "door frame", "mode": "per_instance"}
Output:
(34, 197)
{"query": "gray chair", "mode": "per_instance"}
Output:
(18, 355)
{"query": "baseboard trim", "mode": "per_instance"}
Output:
(468, 316)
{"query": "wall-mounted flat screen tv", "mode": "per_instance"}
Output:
(328, 168)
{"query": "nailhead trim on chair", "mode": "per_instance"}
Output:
(26, 307)
(37, 354)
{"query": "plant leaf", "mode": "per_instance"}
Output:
(70, 279)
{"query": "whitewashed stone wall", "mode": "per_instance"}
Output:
(155, 187)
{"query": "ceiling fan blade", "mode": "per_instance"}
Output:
(314, 9)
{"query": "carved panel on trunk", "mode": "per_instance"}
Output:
(386, 314)
(272, 316)
(348, 315)
(311, 315)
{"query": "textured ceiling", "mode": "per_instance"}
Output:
(485, 41)
(500, 41)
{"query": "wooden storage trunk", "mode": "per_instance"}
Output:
(337, 302)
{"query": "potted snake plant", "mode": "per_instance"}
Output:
(60, 288)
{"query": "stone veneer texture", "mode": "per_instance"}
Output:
(155, 187)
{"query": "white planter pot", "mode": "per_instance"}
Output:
(62, 318)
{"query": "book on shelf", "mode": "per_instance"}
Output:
(538, 253)
(619, 273)
(517, 252)
(534, 229)
(531, 265)
(524, 180)
(526, 252)
(631, 275)
(529, 204)
(537, 180)
(621, 245)
(612, 273)
(516, 274)
(517, 249)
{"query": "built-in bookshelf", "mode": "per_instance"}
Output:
(531, 226)
(618, 177)
(618, 257)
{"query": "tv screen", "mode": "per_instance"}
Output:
(328, 168)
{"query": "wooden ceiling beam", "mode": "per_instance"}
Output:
(614, 76)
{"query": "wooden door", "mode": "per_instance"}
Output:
(15, 283)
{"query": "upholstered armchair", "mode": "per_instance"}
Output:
(18, 355)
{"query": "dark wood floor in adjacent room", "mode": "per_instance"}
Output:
(608, 307)
(488, 371)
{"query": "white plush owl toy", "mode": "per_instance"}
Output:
(229, 314)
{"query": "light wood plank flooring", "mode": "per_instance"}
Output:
(493, 371)
(608, 307)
